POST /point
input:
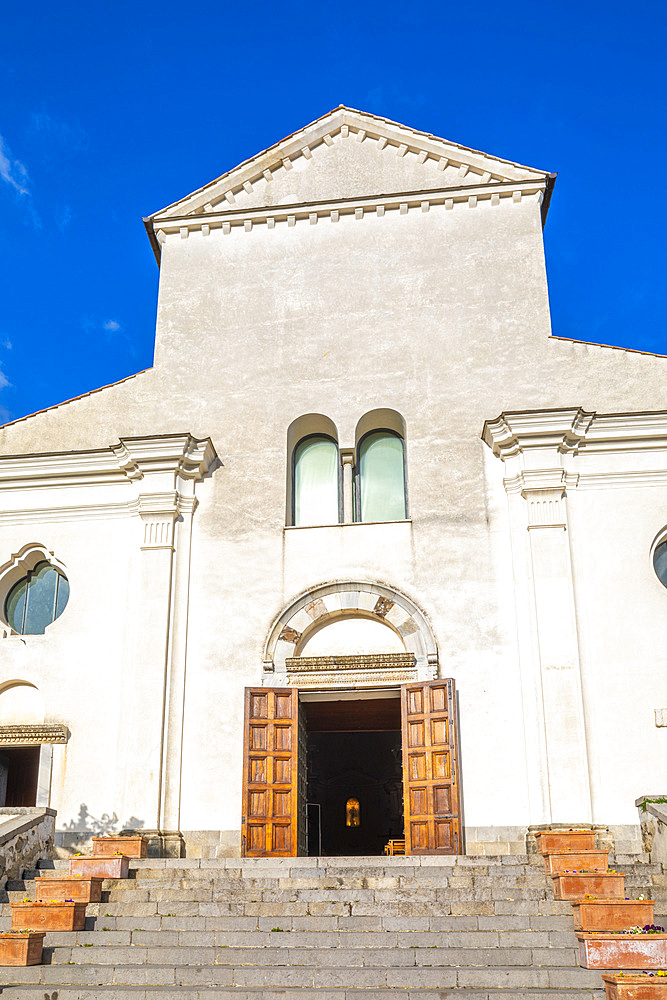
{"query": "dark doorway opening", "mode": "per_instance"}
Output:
(354, 756)
(19, 770)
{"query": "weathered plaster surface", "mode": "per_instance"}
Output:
(441, 315)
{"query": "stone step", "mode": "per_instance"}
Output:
(170, 907)
(302, 901)
(131, 893)
(404, 956)
(321, 929)
(115, 992)
(255, 930)
(318, 940)
(317, 867)
(485, 931)
(306, 977)
(427, 879)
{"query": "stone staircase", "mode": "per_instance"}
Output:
(477, 928)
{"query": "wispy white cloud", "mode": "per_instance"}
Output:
(12, 171)
(111, 329)
(63, 217)
(98, 324)
(67, 134)
(15, 175)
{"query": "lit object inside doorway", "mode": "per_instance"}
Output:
(352, 815)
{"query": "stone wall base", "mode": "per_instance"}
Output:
(161, 843)
(486, 841)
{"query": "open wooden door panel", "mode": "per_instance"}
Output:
(430, 768)
(270, 773)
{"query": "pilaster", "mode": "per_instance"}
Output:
(164, 473)
(534, 449)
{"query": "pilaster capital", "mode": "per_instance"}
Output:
(176, 457)
(536, 448)
(546, 507)
(158, 512)
(530, 431)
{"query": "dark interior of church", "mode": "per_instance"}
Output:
(355, 784)
(19, 769)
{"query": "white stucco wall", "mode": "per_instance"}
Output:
(443, 316)
(76, 664)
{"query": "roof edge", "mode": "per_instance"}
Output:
(546, 201)
(74, 399)
(609, 347)
(353, 111)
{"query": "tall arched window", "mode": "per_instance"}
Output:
(381, 477)
(37, 600)
(316, 481)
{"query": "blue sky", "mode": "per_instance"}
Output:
(110, 111)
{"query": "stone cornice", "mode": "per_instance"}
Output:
(575, 431)
(620, 432)
(344, 124)
(353, 662)
(514, 433)
(543, 450)
(332, 211)
(33, 735)
(132, 459)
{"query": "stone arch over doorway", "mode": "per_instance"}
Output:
(332, 603)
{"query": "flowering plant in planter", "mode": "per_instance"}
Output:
(636, 985)
(52, 915)
(646, 929)
(591, 913)
(21, 947)
(644, 974)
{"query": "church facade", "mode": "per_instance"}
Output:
(367, 554)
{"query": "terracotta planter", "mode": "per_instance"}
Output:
(622, 951)
(81, 890)
(554, 864)
(578, 884)
(21, 949)
(611, 914)
(91, 867)
(555, 841)
(131, 847)
(48, 916)
(635, 988)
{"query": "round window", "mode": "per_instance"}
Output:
(37, 600)
(660, 562)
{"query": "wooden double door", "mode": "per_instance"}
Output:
(275, 771)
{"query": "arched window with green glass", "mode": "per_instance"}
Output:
(380, 483)
(316, 481)
(37, 600)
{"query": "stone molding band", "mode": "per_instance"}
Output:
(30, 736)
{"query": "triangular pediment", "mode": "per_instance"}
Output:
(344, 155)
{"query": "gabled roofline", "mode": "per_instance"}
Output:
(347, 116)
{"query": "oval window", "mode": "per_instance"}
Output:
(660, 562)
(37, 600)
